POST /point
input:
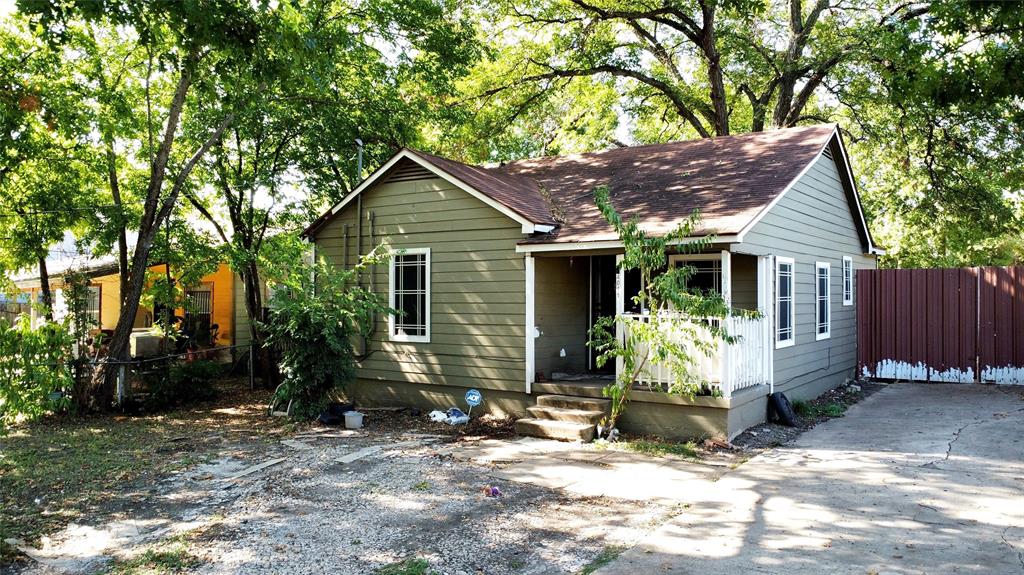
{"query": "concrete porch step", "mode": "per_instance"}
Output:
(573, 402)
(588, 416)
(564, 430)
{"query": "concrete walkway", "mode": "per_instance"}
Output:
(919, 478)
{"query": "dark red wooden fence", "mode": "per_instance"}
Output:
(954, 325)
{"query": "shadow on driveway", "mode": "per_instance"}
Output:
(919, 478)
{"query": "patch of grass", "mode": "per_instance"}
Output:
(833, 410)
(606, 556)
(411, 566)
(169, 556)
(660, 448)
(57, 469)
(422, 486)
(812, 410)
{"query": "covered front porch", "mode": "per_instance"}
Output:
(568, 292)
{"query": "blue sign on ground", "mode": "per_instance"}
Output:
(473, 398)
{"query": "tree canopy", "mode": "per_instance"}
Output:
(928, 94)
(118, 115)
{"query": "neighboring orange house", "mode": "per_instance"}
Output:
(214, 300)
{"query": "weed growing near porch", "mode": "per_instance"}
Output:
(678, 323)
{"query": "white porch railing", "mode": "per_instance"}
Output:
(730, 367)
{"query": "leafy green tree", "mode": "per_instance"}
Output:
(291, 147)
(46, 157)
(927, 93)
(184, 42)
(667, 333)
(943, 139)
(318, 311)
(34, 369)
(690, 68)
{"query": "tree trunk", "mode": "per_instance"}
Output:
(44, 285)
(122, 236)
(154, 214)
(719, 96)
(254, 309)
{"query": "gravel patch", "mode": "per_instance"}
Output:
(316, 514)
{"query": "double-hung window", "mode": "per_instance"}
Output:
(847, 280)
(822, 300)
(92, 305)
(409, 295)
(785, 314)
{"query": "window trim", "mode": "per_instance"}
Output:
(392, 336)
(818, 335)
(779, 261)
(847, 268)
(99, 304)
(675, 259)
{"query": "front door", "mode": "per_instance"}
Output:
(602, 299)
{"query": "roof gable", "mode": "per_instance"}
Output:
(518, 198)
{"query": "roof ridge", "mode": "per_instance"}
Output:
(501, 168)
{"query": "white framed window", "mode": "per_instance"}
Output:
(822, 300)
(847, 280)
(409, 294)
(93, 303)
(707, 270)
(785, 313)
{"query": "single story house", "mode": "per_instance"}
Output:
(501, 271)
(218, 299)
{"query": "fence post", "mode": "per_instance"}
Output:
(252, 369)
(120, 384)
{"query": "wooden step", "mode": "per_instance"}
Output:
(592, 417)
(563, 430)
(573, 402)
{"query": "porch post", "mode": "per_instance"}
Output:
(620, 307)
(725, 353)
(765, 274)
(531, 328)
(727, 277)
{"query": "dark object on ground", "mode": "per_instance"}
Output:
(335, 413)
(781, 410)
(414, 411)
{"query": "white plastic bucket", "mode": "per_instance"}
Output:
(353, 420)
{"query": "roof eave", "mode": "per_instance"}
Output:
(529, 226)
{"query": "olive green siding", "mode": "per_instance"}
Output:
(561, 307)
(813, 222)
(477, 280)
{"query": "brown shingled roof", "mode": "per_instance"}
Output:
(519, 194)
(730, 179)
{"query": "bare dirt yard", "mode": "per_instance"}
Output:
(222, 488)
